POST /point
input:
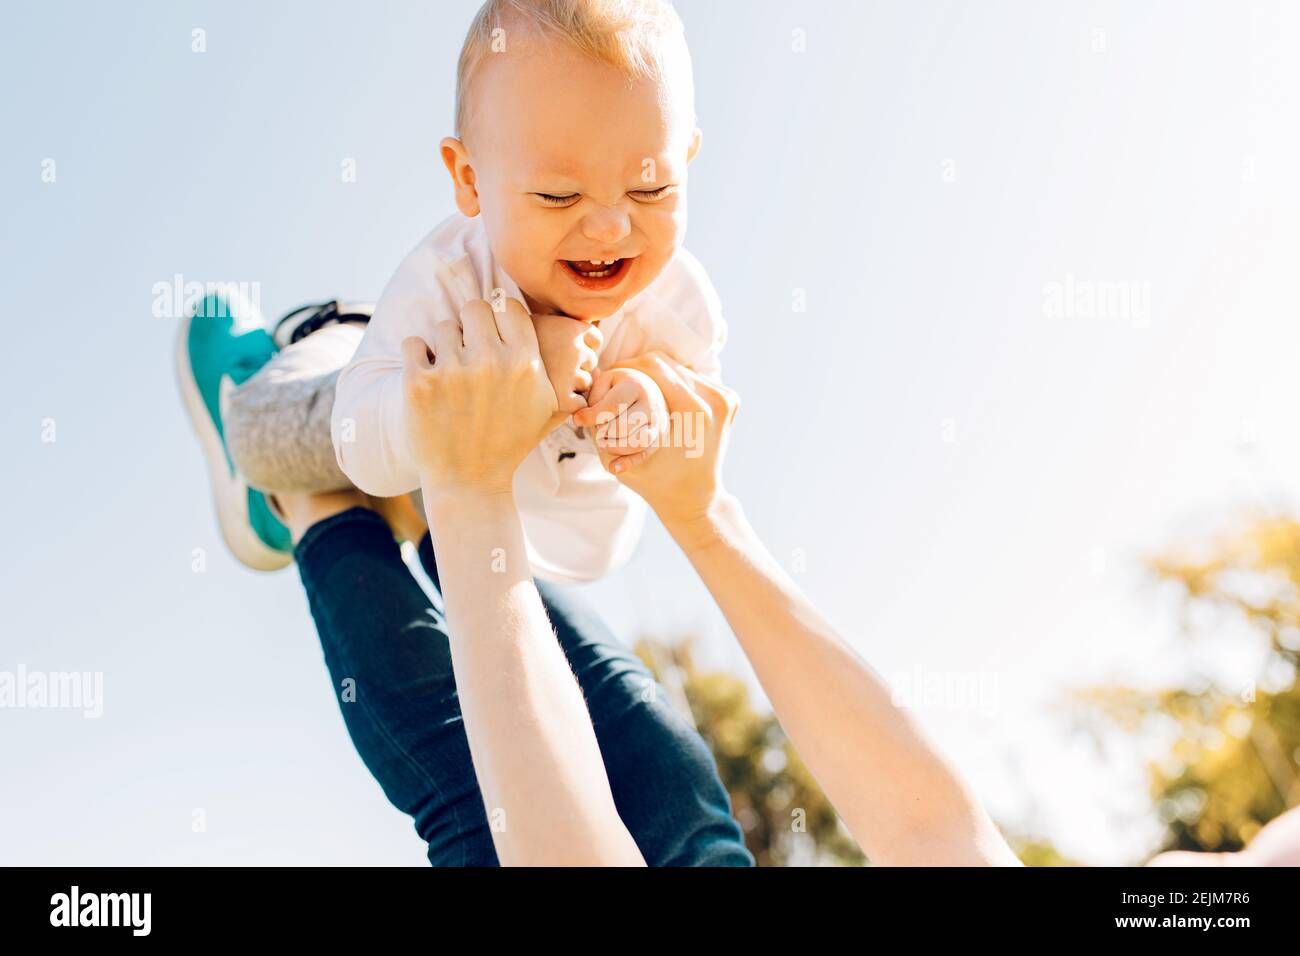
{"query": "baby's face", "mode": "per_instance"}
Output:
(568, 162)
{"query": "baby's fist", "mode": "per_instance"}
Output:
(569, 351)
(629, 414)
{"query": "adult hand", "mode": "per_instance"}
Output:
(684, 479)
(480, 405)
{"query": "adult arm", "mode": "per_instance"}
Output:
(472, 416)
(901, 800)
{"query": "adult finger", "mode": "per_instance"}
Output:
(415, 354)
(569, 404)
(721, 400)
(448, 343)
(671, 378)
(478, 324)
(622, 463)
(515, 326)
(724, 401)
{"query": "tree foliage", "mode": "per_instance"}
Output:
(1229, 752)
(786, 818)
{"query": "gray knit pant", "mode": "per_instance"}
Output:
(277, 423)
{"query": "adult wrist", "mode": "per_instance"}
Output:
(699, 529)
(447, 501)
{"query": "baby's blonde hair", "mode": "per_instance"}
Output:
(632, 36)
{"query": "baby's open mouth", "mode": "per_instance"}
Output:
(596, 273)
(594, 269)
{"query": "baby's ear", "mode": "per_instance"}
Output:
(456, 158)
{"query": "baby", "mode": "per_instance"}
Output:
(574, 127)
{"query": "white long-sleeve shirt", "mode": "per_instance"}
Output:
(579, 522)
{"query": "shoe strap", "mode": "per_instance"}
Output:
(311, 318)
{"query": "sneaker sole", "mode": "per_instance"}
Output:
(229, 491)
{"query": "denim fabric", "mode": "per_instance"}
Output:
(386, 646)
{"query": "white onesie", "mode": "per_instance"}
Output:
(579, 522)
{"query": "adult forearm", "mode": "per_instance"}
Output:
(894, 791)
(535, 753)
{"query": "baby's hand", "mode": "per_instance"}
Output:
(630, 416)
(568, 348)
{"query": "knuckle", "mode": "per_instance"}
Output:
(475, 307)
(417, 385)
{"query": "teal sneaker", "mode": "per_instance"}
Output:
(221, 345)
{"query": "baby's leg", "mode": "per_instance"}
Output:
(278, 422)
(662, 776)
(663, 779)
(389, 658)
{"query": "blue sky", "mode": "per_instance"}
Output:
(964, 474)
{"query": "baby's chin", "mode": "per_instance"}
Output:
(589, 310)
(594, 311)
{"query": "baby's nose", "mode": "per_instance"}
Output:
(606, 226)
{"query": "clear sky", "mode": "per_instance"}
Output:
(1011, 290)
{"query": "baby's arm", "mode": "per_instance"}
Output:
(369, 404)
(369, 420)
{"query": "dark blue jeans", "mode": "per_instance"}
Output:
(387, 652)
